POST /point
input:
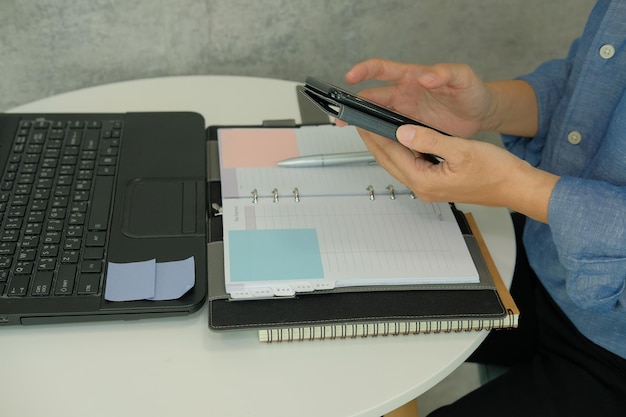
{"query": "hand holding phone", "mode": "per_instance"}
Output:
(354, 110)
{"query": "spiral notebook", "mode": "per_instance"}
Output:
(292, 230)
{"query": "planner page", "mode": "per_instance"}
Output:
(327, 242)
(249, 158)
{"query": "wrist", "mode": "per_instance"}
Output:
(493, 115)
(531, 191)
(512, 108)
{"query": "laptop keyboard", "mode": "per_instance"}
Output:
(55, 200)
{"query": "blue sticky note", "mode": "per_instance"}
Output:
(174, 279)
(274, 255)
(130, 281)
(149, 280)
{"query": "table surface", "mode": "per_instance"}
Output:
(177, 366)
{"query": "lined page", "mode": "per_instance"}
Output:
(349, 241)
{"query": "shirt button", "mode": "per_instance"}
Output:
(574, 137)
(607, 51)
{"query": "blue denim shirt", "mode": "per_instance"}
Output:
(580, 255)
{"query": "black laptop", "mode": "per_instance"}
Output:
(102, 216)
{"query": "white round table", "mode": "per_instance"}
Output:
(177, 366)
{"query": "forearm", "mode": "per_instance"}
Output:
(528, 191)
(515, 109)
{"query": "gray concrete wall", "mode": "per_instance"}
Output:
(53, 46)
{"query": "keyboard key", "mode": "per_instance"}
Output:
(41, 124)
(49, 251)
(99, 218)
(77, 124)
(7, 248)
(93, 253)
(23, 268)
(65, 280)
(88, 284)
(74, 231)
(95, 239)
(46, 264)
(90, 141)
(10, 236)
(91, 267)
(42, 283)
(30, 241)
(72, 243)
(52, 238)
(70, 256)
(27, 254)
(5, 262)
(18, 287)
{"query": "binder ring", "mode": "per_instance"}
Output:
(371, 190)
(275, 193)
(255, 196)
(392, 192)
(296, 195)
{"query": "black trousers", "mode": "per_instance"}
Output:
(554, 370)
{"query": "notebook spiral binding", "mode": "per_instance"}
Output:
(296, 194)
(383, 329)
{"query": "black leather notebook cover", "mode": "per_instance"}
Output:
(444, 302)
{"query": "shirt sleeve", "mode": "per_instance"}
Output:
(587, 218)
(595, 265)
(548, 81)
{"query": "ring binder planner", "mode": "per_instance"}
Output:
(405, 310)
(330, 238)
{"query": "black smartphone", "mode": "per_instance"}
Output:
(355, 110)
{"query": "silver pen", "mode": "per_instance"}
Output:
(327, 160)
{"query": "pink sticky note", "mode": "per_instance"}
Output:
(256, 147)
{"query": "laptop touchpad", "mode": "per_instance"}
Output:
(161, 208)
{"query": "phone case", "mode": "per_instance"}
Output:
(323, 98)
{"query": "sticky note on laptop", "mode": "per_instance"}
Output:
(149, 280)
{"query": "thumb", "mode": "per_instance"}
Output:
(405, 135)
(418, 138)
(421, 139)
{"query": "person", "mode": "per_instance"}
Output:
(563, 174)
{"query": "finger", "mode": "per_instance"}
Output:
(383, 96)
(452, 75)
(378, 69)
